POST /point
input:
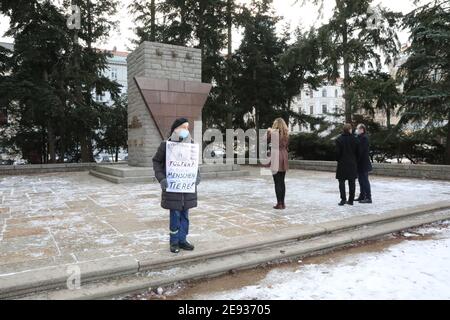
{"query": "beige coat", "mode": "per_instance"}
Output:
(281, 153)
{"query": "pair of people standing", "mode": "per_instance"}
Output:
(352, 155)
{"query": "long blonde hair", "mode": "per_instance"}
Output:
(280, 125)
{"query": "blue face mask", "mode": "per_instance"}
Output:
(183, 133)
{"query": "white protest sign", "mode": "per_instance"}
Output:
(181, 166)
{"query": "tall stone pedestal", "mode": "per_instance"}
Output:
(164, 83)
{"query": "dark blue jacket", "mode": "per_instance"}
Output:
(364, 163)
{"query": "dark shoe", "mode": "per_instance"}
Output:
(360, 198)
(186, 246)
(366, 201)
(283, 205)
(343, 202)
(174, 248)
(350, 203)
(279, 206)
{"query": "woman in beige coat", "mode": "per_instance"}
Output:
(279, 163)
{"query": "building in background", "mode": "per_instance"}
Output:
(325, 102)
(116, 71)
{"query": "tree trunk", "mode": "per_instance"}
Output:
(51, 142)
(348, 107)
(183, 39)
(229, 119)
(153, 21)
(88, 155)
(117, 154)
(447, 148)
(388, 118)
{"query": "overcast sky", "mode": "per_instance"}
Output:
(292, 12)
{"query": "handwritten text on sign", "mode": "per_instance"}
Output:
(181, 166)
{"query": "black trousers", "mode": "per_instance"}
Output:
(364, 185)
(351, 186)
(280, 186)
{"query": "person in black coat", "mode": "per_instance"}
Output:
(178, 203)
(364, 165)
(347, 155)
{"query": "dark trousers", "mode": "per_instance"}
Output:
(351, 186)
(364, 185)
(179, 226)
(280, 186)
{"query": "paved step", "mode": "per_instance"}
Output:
(151, 178)
(247, 253)
(127, 174)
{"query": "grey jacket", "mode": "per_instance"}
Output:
(171, 200)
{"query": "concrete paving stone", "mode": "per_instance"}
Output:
(49, 217)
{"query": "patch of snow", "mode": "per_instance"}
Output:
(409, 270)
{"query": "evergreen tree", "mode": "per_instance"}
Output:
(355, 40)
(377, 91)
(426, 73)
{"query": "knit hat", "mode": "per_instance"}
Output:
(178, 123)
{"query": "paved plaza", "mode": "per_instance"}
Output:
(64, 218)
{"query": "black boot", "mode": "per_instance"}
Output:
(186, 246)
(367, 200)
(174, 248)
(350, 203)
(360, 198)
(343, 202)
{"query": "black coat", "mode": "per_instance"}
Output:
(364, 164)
(172, 200)
(347, 155)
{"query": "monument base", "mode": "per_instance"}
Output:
(127, 174)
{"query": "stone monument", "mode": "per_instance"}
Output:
(164, 83)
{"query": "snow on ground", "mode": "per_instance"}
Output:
(413, 269)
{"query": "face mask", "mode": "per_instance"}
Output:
(183, 133)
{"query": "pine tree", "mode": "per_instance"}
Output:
(356, 39)
(426, 72)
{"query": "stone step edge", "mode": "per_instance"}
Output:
(205, 175)
(241, 261)
(53, 277)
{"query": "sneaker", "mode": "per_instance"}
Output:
(343, 202)
(186, 246)
(174, 248)
(366, 201)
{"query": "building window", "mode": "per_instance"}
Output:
(114, 73)
(311, 93)
(311, 110)
(99, 97)
(336, 93)
(336, 109)
(324, 93)
(324, 109)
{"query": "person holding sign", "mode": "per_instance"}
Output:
(176, 168)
